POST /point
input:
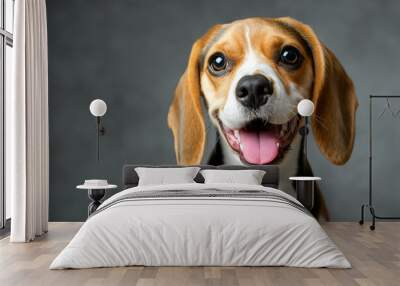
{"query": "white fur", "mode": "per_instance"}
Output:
(279, 109)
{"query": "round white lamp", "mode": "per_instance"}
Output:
(305, 107)
(98, 108)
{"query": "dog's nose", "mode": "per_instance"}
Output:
(253, 91)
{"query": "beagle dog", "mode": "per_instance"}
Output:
(251, 74)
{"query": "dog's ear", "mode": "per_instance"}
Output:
(333, 122)
(185, 116)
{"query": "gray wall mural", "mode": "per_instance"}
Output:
(132, 53)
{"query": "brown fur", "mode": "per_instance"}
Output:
(267, 38)
(185, 116)
(333, 122)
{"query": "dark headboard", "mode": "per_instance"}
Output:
(271, 179)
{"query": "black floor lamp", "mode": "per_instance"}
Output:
(370, 205)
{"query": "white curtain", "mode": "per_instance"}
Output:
(27, 143)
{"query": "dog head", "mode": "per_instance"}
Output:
(252, 73)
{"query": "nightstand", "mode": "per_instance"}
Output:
(96, 190)
(305, 190)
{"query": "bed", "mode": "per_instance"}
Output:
(201, 224)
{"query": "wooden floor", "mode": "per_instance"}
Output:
(375, 257)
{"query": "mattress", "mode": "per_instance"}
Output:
(201, 225)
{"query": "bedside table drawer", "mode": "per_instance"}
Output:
(305, 193)
(305, 190)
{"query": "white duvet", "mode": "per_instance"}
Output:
(188, 231)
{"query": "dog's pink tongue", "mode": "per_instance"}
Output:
(259, 147)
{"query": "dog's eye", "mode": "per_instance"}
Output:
(290, 56)
(217, 64)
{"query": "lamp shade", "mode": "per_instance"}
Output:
(305, 107)
(98, 107)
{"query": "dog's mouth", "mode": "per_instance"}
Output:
(260, 142)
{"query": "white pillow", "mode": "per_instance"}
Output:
(162, 176)
(248, 177)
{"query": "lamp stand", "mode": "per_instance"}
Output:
(100, 132)
(304, 133)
